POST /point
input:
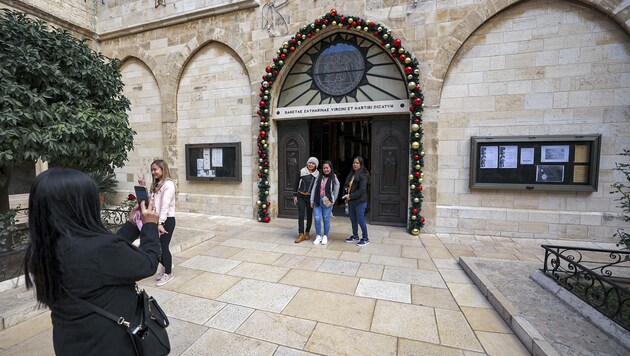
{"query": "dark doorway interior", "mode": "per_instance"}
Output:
(340, 140)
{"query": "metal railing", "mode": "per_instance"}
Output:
(600, 277)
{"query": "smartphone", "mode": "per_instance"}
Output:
(141, 194)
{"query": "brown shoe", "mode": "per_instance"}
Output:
(307, 236)
(300, 238)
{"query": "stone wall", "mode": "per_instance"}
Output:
(539, 68)
(79, 13)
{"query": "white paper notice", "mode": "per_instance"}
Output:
(488, 157)
(200, 171)
(508, 156)
(206, 158)
(217, 157)
(527, 155)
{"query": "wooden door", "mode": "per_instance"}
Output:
(293, 150)
(390, 164)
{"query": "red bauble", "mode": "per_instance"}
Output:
(266, 163)
(394, 55)
(402, 57)
(264, 211)
(263, 134)
(262, 118)
(308, 35)
(348, 27)
(417, 174)
(326, 22)
(268, 203)
(421, 219)
(414, 211)
(354, 24)
(275, 72)
(266, 219)
(270, 83)
(275, 59)
(259, 152)
(283, 56)
(359, 22)
(292, 49)
(376, 34)
(259, 174)
(397, 43)
(408, 70)
(419, 188)
(260, 95)
(417, 88)
(411, 108)
(333, 12)
(318, 22)
(416, 157)
(262, 104)
(268, 69)
(371, 24)
(416, 121)
(264, 77)
(417, 101)
(293, 40)
(342, 19)
(264, 155)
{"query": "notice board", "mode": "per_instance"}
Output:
(214, 161)
(563, 162)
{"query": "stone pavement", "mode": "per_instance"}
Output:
(245, 288)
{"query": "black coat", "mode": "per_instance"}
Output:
(103, 270)
(359, 190)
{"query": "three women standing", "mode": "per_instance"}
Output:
(356, 198)
(302, 197)
(162, 190)
(323, 198)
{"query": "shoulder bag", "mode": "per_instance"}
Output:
(147, 327)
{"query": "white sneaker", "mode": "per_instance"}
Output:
(161, 272)
(165, 279)
(324, 240)
(318, 239)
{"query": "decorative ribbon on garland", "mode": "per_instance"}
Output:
(412, 72)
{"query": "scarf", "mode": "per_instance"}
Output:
(327, 189)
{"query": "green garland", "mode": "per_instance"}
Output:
(416, 152)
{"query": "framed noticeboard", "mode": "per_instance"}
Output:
(564, 163)
(214, 161)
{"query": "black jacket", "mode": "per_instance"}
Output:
(101, 269)
(359, 190)
(304, 183)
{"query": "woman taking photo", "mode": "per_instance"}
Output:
(163, 193)
(356, 198)
(71, 251)
(323, 198)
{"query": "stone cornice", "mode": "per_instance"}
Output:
(179, 19)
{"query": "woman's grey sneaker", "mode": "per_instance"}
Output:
(363, 242)
(352, 239)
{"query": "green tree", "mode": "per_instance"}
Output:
(59, 101)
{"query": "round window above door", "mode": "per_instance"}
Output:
(343, 68)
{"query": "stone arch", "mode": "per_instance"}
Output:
(488, 8)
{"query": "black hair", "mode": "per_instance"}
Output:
(329, 163)
(363, 170)
(63, 202)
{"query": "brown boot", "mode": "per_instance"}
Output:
(300, 238)
(307, 236)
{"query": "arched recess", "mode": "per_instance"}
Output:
(332, 21)
(214, 106)
(486, 9)
(145, 117)
(563, 76)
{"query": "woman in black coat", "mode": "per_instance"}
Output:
(356, 198)
(70, 248)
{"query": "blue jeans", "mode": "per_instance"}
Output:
(322, 211)
(357, 218)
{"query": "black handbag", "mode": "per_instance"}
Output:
(147, 327)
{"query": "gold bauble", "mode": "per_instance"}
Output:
(266, 192)
(389, 32)
(281, 63)
(340, 25)
(267, 91)
(407, 60)
(365, 29)
(334, 23)
(379, 29)
(410, 177)
(285, 45)
(278, 52)
(420, 179)
(317, 30)
(285, 51)
(264, 206)
(260, 160)
(260, 168)
(266, 182)
(265, 145)
(392, 50)
(416, 71)
(415, 145)
(323, 27)
(401, 50)
(265, 98)
(312, 25)
(413, 186)
(266, 84)
(388, 46)
(415, 232)
(422, 174)
(263, 142)
(259, 219)
(416, 200)
(266, 171)
(422, 153)
(409, 77)
(418, 114)
(350, 20)
(416, 135)
(411, 85)
(418, 167)
(258, 202)
(415, 127)
(266, 111)
(412, 95)
(385, 36)
(413, 217)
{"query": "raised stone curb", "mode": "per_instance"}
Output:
(533, 341)
(606, 325)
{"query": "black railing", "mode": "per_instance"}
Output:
(113, 218)
(599, 277)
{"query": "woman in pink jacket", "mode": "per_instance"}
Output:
(162, 190)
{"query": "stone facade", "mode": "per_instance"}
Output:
(488, 67)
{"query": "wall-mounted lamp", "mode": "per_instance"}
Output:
(160, 2)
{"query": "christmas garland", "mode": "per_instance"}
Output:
(410, 64)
